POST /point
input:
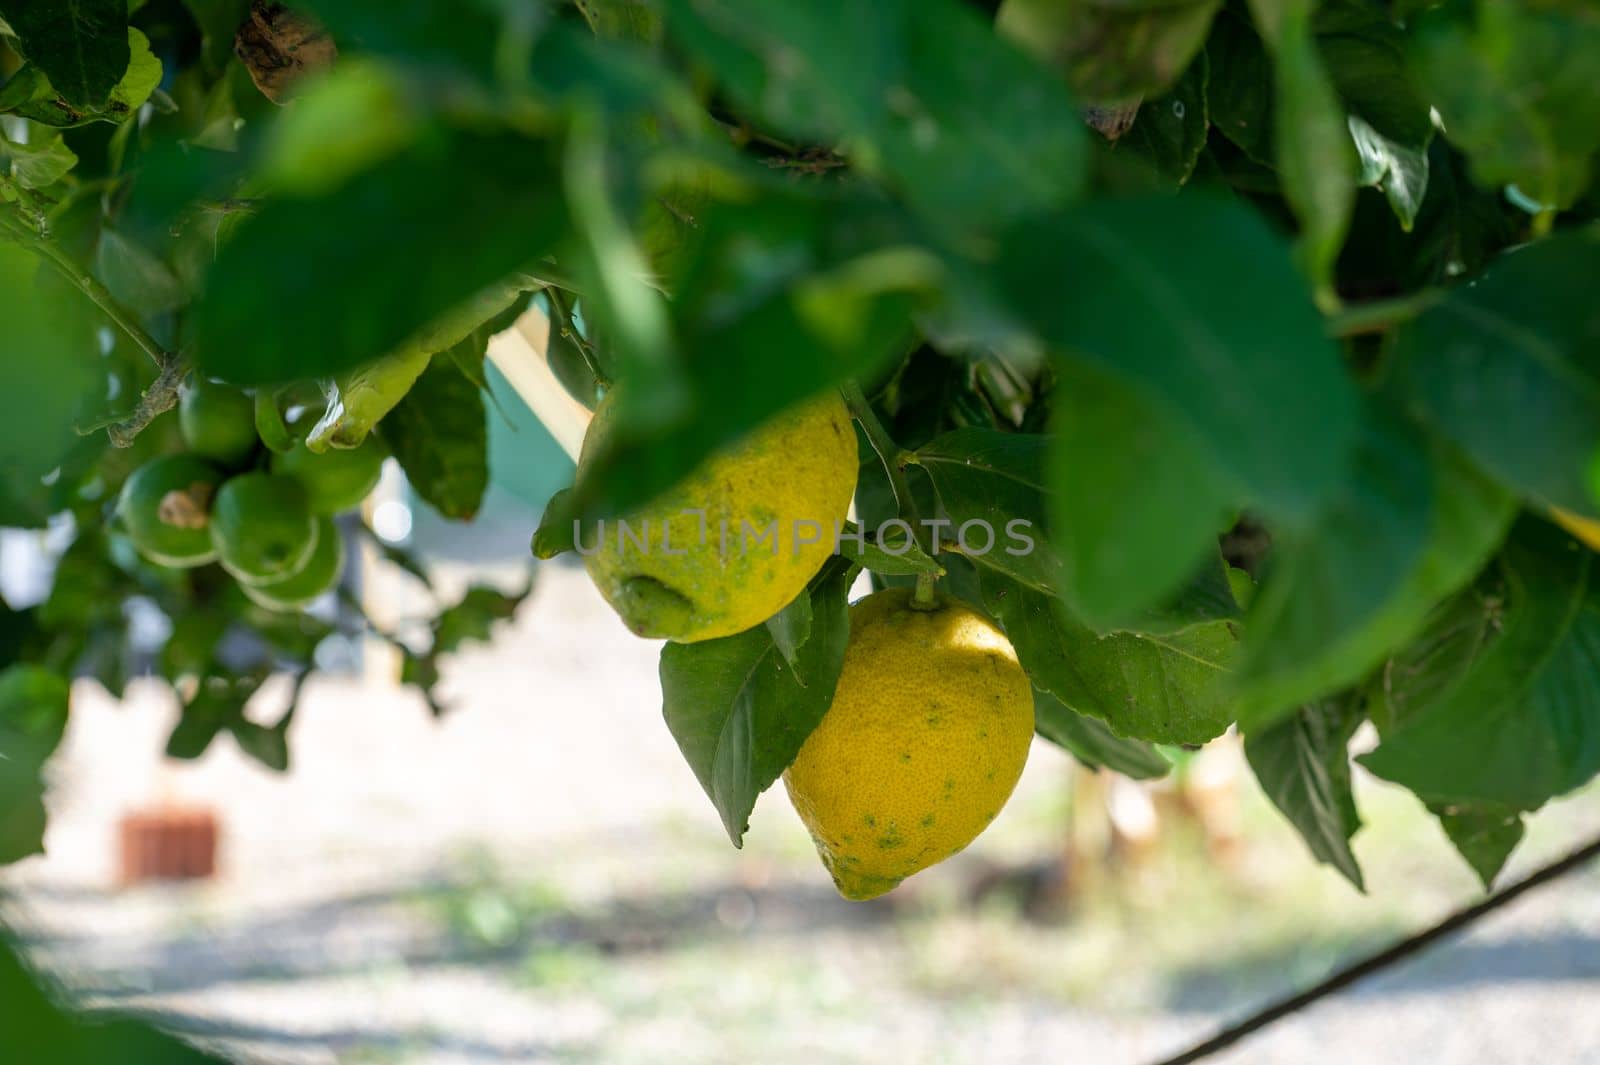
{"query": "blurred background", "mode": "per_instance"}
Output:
(537, 877)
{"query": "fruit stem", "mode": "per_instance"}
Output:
(924, 597)
(894, 464)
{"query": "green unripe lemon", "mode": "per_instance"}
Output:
(925, 739)
(335, 480)
(262, 527)
(318, 576)
(165, 506)
(218, 421)
(694, 564)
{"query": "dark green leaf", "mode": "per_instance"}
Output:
(1165, 689)
(31, 94)
(992, 485)
(1509, 368)
(922, 90)
(473, 208)
(218, 20)
(1520, 723)
(740, 714)
(1239, 91)
(439, 434)
(80, 45)
(1170, 130)
(1111, 50)
(1412, 527)
(1365, 55)
(1303, 765)
(1092, 742)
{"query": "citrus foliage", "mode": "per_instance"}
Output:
(1285, 356)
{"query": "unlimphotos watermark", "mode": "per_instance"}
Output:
(894, 537)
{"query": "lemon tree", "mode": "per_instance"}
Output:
(1232, 371)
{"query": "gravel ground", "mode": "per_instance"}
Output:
(538, 878)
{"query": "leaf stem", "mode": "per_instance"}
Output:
(924, 597)
(1381, 315)
(562, 321)
(101, 297)
(894, 461)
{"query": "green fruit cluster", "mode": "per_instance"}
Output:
(265, 515)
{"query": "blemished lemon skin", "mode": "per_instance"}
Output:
(690, 582)
(1585, 529)
(928, 733)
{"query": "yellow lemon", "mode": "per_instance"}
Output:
(927, 735)
(1585, 529)
(731, 544)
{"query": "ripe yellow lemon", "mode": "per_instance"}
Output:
(736, 540)
(927, 735)
(1585, 529)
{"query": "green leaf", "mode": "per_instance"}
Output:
(1520, 723)
(473, 208)
(1190, 305)
(1170, 130)
(897, 554)
(1092, 742)
(1509, 368)
(992, 485)
(821, 285)
(1111, 50)
(1484, 837)
(740, 714)
(37, 1029)
(1412, 527)
(439, 433)
(790, 628)
(921, 91)
(42, 161)
(1315, 158)
(1136, 504)
(474, 616)
(1514, 85)
(1303, 765)
(1400, 171)
(33, 717)
(1165, 689)
(47, 347)
(80, 45)
(135, 276)
(216, 706)
(555, 533)
(31, 94)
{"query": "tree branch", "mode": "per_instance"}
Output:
(1343, 978)
(890, 455)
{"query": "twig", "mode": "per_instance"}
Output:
(894, 460)
(160, 397)
(1381, 315)
(1366, 967)
(562, 321)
